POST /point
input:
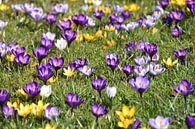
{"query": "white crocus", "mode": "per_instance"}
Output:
(50, 36)
(61, 44)
(45, 91)
(2, 24)
(97, 3)
(111, 92)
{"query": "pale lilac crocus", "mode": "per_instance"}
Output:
(141, 60)
(156, 69)
(141, 70)
(86, 70)
(159, 122)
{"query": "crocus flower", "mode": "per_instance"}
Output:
(169, 63)
(69, 36)
(156, 69)
(190, 121)
(19, 50)
(51, 112)
(112, 18)
(154, 58)
(46, 43)
(4, 96)
(73, 100)
(141, 45)
(80, 19)
(137, 124)
(40, 53)
(91, 21)
(176, 32)
(176, 16)
(14, 104)
(99, 84)
(37, 14)
(50, 36)
(140, 84)
(37, 109)
(151, 49)
(3, 49)
(28, 7)
(2, 24)
(126, 14)
(149, 22)
(98, 111)
(167, 20)
(181, 55)
(159, 122)
(126, 116)
(112, 60)
(141, 70)
(118, 9)
(98, 14)
(56, 62)
(32, 89)
(85, 70)
(22, 59)
(9, 112)
(61, 44)
(60, 8)
(51, 18)
(44, 72)
(129, 47)
(46, 91)
(24, 110)
(17, 7)
(65, 25)
(185, 88)
(127, 69)
(141, 60)
(120, 20)
(190, 4)
(111, 92)
(80, 62)
(70, 70)
(164, 3)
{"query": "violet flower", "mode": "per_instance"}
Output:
(190, 121)
(141, 60)
(73, 100)
(51, 18)
(176, 32)
(128, 70)
(80, 62)
(32, 89)
(151, 49)
(159, 122)
(4, 96)
(46, 43)
(44, 72)
(164, 3)
(141, 70)
(37, 14)
(22, 59)
(40, 53)
(56, 63)
(99, 84)
(156, 69)
(181, 55)
(112, 60)
(176, 16)
(69, 36)
(98, 14)
(85, 70)
(51, 112)
(9, 112)
(98, 111)
(60, 8)
(65, 25)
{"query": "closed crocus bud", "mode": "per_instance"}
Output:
(111, 92)
(190, 121)
(46, 91)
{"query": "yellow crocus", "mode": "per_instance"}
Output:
(22, 93)
(10, 57)
(109, 28)
(110, 43)
(125, 124)
(180, 3)
(4, 7)
(169, 63)
(14, 104)
(98, 34)
(79, 38)
(52, 80)
(104, 9)
(48, 126)
(24, 110)
(37, 109)
(132, 7)
(88, 37)
(126, 112)
(69, 72)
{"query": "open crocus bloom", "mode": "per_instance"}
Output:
(160, 123)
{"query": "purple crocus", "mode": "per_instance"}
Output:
(140, 84)
(141, 60)
(46, 43)
(44, 72)
(167, 20)
(28, 7)
(185, 88)
(40, 53)
(137, 124)
(164, 3)
(4, 96)
(9, 112)
(141, 70)
(98, 111)
(154, 58)
(191, 5)
(176, 16)
(51, 18)
(3, 49)
(51, 112)
(141, 45)
(85, 70)
(128, 70)
(156, 69)
(32, 89)
(151, 49)
(98, 14)
(176, 32)
(80, 19)
(60, 8)
(190, 121)
(22, 59)
(19, 51)
(80, 62)
(69, 36)
(181, 55)
(129, 47)
(56, 62)
(99, 84)
(73, 100)
(65, 25)
(120, 20)
(126, 14)
(159, 122)
(37, 14)
(112, 60)
(112, 18)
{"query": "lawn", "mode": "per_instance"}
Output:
(158, 99)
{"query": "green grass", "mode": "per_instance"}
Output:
(156, 100)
